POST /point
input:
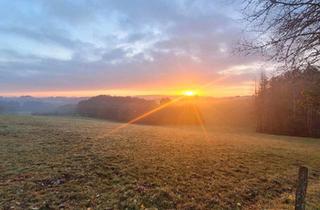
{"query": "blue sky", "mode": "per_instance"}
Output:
(133, 46)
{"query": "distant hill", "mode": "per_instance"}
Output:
(236, 111)
(131, 109)
(216, 112)
(29, 104)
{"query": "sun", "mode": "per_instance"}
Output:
(189, 93)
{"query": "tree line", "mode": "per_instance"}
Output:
(289, 103)
(288, 33)
(125, 109)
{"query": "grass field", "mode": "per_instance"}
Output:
(75, 163)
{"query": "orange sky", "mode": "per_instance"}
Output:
(213, 90)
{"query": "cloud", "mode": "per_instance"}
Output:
(74, 45)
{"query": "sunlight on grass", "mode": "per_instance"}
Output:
(150, 166)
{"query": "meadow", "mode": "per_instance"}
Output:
(79, 163)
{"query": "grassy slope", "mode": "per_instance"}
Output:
(75, 163)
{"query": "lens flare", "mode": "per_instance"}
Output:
(189, 93)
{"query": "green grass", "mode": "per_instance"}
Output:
(75, 163)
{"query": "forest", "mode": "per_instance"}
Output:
(289, 103)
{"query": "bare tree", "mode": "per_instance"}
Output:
(288, 30)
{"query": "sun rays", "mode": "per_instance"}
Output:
(146, 114)
(186, 94)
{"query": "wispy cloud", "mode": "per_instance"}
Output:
(75, 45)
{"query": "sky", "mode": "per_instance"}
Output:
(123, 47)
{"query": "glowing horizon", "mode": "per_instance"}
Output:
(190, 93)
(214, 91)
